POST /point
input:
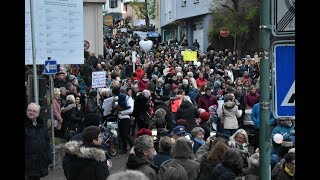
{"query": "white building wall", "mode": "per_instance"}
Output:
(93, 24)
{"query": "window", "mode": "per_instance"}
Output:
(184, 3)
(113, 3)
(196, 1)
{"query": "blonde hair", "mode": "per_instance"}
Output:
(56, 92)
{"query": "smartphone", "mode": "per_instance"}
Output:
(154, 132)
(213, 133)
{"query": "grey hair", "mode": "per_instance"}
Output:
(128, 175)
(196, 130)
(240, 131)
(71, 98)
(33, 103)
(142, 143)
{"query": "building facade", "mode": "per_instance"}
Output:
(93, 24)
(185, 18)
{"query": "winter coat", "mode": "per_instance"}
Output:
(159, 115)
(251, 99)
(205, 102)
(282, 175)
(37, 148)
(87, 162)
(200, 82)
(252, 173)
(161, 157)
(57, 112)
(167, 117)
(139, 73)
(220, 172)
(182, 154)
(206, 166)
(188, 112)
(69, 115)
(136, 163)
(229, 114)
(255, 116)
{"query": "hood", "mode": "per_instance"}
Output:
(229, 105)
(185, 104)
(76, 148)
(68, 106)
(135, 162)
(160, 113)
(182, 148)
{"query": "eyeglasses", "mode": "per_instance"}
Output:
(32, 110)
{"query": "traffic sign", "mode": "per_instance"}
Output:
(283, 17)
(86, 45)
(284, 80)
(50, 67)
(108, 20)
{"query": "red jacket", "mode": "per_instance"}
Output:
(200, 82)
(140, 73)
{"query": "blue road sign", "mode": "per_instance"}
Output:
(284, 86)
(50, 67)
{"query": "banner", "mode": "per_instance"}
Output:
(190, 55)
(98, 79)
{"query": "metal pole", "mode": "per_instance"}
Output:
(235, 41)
(35, 77)
(264, 132)
(52, 124)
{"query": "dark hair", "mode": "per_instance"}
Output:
(172, 171)
(93, 93)
(233, 160)
(116, 91)
(89, 134)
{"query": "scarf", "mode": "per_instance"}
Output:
(288, 171)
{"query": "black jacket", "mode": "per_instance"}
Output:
(136, 163)
(37, 148)
(87, 162)
(188, 112)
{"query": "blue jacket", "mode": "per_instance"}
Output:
(160, 158)
(255, 116)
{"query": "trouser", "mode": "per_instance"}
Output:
(124, 129)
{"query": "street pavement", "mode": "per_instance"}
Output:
(118, 164)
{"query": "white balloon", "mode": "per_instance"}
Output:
(182, 52)
(197, 63)
(145, 45)
(278, 138)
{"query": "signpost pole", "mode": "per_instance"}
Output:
(52, 123)
(35, 77)
(264, 129)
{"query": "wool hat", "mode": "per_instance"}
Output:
(143, 131)
(204, 116)
(174, 86)
(71, 77)
(146, 93)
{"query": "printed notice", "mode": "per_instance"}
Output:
(58, 31)
(98, 79)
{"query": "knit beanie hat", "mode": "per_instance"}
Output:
(204, 116)
(146, 93)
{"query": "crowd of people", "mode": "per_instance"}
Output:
(198, 109)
